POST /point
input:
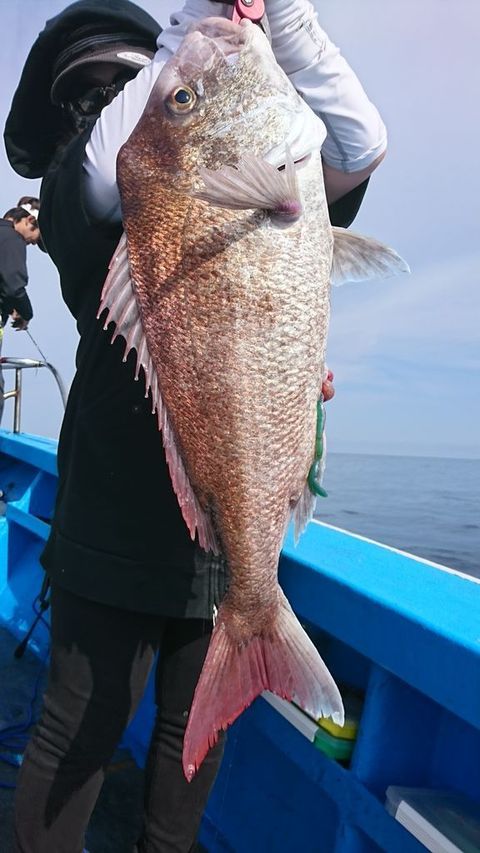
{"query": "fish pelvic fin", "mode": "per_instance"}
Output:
(357, 258)
(283, 660)
(118, 296)
(254, 184)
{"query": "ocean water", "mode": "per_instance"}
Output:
(427, 506)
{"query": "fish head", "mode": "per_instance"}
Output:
(221, 96)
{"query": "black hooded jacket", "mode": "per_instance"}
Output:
(35, 125)
(118, 536)
(13, 273)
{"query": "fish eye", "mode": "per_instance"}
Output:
(181, 100)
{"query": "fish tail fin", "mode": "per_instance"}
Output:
(284, 661)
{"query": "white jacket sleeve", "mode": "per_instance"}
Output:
(117, 121)
(356, 135)
(111, 130)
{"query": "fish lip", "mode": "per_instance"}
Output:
(228, 37)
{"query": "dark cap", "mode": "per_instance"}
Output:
(86, 31)
(95, 44)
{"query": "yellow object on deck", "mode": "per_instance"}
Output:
(353, 710)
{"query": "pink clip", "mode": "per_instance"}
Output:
(252, 9)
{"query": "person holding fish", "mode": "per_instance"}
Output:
(197, 143)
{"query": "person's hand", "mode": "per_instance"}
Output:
(18, 322)
(328, 390)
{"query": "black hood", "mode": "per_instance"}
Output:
(34, 124)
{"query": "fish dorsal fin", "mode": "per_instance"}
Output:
(254, 184)
(357, 258)
(118, 296)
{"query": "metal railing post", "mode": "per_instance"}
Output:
(19, 364)
(17, 411)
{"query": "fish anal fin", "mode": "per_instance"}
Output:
(282, 660)
(357, 258)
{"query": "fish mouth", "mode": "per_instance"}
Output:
(207, 43)
(223, 35)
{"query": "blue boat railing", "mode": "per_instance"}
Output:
(19, 364)
(402, 632)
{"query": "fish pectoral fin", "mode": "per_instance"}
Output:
(254, 184)
(283, 660)
(357, 258)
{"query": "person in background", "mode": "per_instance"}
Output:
(126, 579)
(32, 206)
(17, 230)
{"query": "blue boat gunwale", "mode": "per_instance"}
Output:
(36, 450)
(423, 623)
(414, 623)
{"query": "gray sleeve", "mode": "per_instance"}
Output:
(13, 272)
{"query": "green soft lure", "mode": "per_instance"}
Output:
(312, 479)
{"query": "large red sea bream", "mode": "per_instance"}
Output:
(221, 284)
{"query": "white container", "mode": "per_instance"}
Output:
(443, 821)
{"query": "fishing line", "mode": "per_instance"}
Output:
(53, 370)
(44, 358)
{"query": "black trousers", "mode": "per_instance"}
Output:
(101, 658)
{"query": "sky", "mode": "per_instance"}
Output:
(405, 351)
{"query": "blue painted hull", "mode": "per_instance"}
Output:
(400, 631)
